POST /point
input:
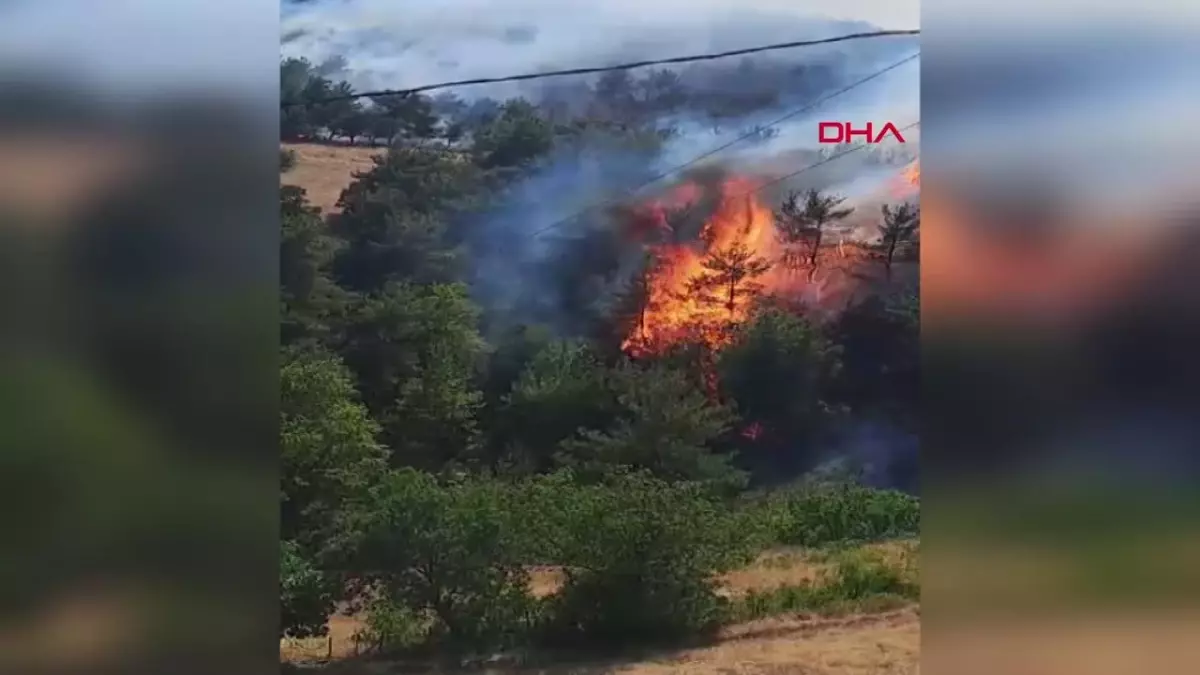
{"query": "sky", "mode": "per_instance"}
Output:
(456, 39)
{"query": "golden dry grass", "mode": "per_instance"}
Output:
(325, 170)
(876, 643)
(880, 644)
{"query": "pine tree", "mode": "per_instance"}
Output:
(896, 232)
(802, 225)
(728, 277)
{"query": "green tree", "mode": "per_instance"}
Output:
(326, 113)
(296, 84)
(410, 116)
(415, 350)
(641, 557)
(517, 137)
(312, 305)
(560, 392)
(328, 448)
(665, 425)
(779, 372)
(802, 222)
(393, 218)
(435, 417)
(352, 124)
(880, 339)
(455, 550)
(307, 595)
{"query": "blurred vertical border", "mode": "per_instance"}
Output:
(138, 392)
(1061, 337)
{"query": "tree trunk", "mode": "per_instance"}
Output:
(816, 249)
(887, 265)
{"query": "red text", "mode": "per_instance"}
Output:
(844, 132)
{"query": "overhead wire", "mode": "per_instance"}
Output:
(693, 161)
(603, 69)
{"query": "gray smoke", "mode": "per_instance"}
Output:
(523, 250)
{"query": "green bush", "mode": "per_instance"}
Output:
(306, 594)
(823, 515)
(863, 573)
(860, 580)
(454, 550)
(641, 555)
(391, 626)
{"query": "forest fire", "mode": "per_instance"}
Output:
(698, 291)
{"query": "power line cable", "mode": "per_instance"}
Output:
(691, 162)
(604, 69)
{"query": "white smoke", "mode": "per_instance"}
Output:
(388, 44)
(382, 44)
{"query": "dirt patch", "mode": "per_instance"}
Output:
(325, 170)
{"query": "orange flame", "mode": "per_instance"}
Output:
(909, 181)
(671, 314)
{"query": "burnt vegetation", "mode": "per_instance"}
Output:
(442, 434)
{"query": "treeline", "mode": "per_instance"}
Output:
(718, 95)
(427, 469)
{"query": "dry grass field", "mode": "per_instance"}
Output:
(325, 170)
(886, 642)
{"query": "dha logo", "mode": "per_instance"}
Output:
(844, 132)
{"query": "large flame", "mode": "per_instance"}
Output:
(671, 314)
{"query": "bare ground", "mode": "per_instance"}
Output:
(325, 170)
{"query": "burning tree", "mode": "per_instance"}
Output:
(802, 224)
(897, 231)
(728, 277)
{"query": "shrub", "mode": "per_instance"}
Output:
(306, 594)
(641, 555)
(454, 550)
(860, 580)
(391, 626)
(823, 515)
(864, 573)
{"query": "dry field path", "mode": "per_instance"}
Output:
(884, 643)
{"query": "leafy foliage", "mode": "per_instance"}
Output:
(451, 549)
(779, 371)
(328, 446)
(641, 558)
(825, 515)
(414, 351)
(562, 390)
(312, 303)
(665, 425)
(433, 451)
(306, 596)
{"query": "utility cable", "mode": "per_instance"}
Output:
(603, 69)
